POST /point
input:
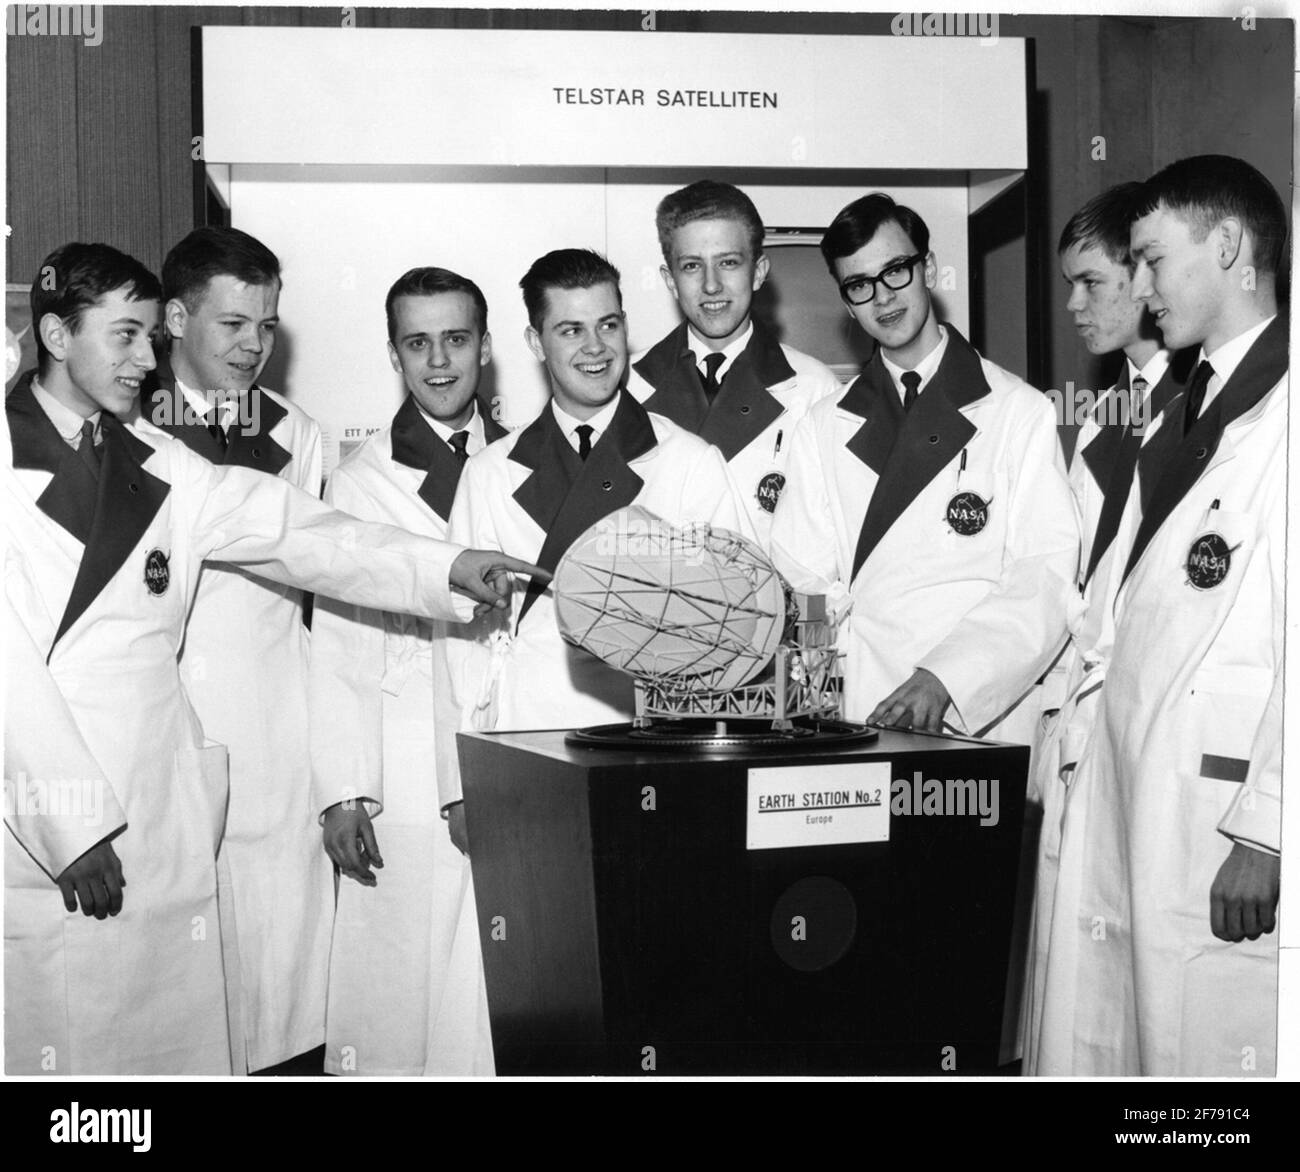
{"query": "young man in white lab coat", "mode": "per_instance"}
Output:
(1169, 965)
(406, 994)
(720, 374)
(1095, 262)
(244, 662)
(929, 501)
(106, 529)
(593, 450)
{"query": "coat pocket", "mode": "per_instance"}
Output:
(1227, 706)
(203, 775)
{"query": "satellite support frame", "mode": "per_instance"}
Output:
(804, 681)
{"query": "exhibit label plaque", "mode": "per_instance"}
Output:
(817, 805)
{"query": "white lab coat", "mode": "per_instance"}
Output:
(985, 612)
(144, 992)
(406, 990)
(766, 391)
(244, 666)
(530, 677)
(1076, 680)
(1183, 760)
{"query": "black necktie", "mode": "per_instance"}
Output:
(459, 445)
(709, 379)
(1196, 395)
(583, 431)
(215, 430)
(911, 381)
(1137, 403)
(86, 448)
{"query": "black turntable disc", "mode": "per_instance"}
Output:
(709, 735)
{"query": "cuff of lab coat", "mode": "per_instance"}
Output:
(57, 840)
(1056, 683)
(449, 787)
(462, 608)
(963, 715)
(1254, 819)
(372, 806)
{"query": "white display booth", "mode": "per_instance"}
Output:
(356, 154)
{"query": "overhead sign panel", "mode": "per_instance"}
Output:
(608, 99)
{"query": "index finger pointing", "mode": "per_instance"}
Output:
(516, 566)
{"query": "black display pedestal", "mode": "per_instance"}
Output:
(627, 929)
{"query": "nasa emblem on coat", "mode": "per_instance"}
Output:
(968, 513)
(157, 574)
(769, 491)
(1209, 560)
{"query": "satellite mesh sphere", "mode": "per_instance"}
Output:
(666, 602)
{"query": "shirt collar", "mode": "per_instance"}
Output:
(730, 352)
(229, 402)
(925, 368)
(1152, 372)
(444, 433)
(1227, 357)
(598, 422)
(66, 421)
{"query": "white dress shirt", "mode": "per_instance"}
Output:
(1226, 359)
(598, 422)
(227, 403)
(730, 352)
(66, 421)
(476, 443)
(925, 368)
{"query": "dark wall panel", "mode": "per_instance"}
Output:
(42, 164)
(1226, 90)
(172, 34)
(118, 200)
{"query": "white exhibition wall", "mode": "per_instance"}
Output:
(343, 243)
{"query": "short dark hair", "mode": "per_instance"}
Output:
(426, 282)
(1205, 189)
(565, 268)
(707, 199)
(74, 277)
(862, 219)
(1103, 222)
(215, 252)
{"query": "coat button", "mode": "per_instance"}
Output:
(257, 452)
(934, 439)
(1201, 453)
(744, 408)
(133, 487)
(607, 485)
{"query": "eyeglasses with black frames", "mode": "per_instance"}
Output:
(860, 290)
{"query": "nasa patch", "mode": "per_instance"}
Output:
(968, 513)
(769, 491)
(1209, 560)
(157, 574)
